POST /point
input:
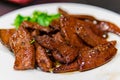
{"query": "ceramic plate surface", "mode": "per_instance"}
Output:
(109, 71)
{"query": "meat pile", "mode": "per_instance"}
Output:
(70, 43)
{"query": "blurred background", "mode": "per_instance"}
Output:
(10, 5)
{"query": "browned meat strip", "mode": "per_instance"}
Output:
(89, 20)
(90, 58)
(92, 23)
(97, 56)
(74, 66)
(69, 33)
(67, 52)
(42, 59)
(79, 27)
(61, 11)
(56, 54)
(46, 42)
(97, 31)
(108, 27)
(84, 17)
(71, 26)
(72, 38)
(101, 26)
(50, 42)
(5, 35)
(87, 35)
(34, 25)
(24, 51)
(67, 68)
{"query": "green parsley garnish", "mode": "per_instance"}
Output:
(41, 18)
(32, 41)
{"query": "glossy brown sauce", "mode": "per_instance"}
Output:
(76, 42)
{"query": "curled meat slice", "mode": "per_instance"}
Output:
(5, 35)
(101, 26)
(87, 35)
(61, 11)
(108, 27)
(97, 56)
(95, 29)
(71, 26)
(90, 58)
(34, 25)
(85, 20)
(92, 23)
(84, 17)
(23, 50)
(43, 59)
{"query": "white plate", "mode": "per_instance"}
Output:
(109, 71)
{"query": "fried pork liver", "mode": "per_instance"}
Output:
(97, 56)
(74, 41)
(90, 59)
(71, 24)
(43, 60)
(108, 27)
(68, 53)
(23, 50)
(5, 35)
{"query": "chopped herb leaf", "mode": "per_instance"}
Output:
(33, 40)
(41, 18)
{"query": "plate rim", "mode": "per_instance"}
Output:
(69, 3)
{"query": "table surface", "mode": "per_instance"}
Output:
(113, 5)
